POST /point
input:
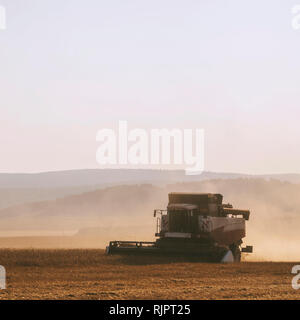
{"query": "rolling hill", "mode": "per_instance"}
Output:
(21, 188)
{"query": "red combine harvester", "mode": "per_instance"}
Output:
(196, 224)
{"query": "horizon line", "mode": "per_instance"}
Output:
(146, 169)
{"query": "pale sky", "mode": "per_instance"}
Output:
(69, 68)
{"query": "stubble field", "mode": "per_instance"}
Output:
(90, 274)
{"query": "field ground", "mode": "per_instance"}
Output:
(90, 274)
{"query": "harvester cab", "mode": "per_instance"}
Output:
(196, 224)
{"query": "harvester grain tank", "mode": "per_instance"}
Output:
(196, 224)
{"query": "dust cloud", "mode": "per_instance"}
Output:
(274, 225)
(92, 219)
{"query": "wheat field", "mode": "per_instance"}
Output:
(90, 274)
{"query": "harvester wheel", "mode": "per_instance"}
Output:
(235, 249)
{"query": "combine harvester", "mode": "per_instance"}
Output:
(194, 224)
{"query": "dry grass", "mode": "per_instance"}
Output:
(89, 274)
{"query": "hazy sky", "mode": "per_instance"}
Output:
(69, 68)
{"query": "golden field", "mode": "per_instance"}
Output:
(90, 274)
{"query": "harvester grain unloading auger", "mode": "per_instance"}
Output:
(194, 224)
